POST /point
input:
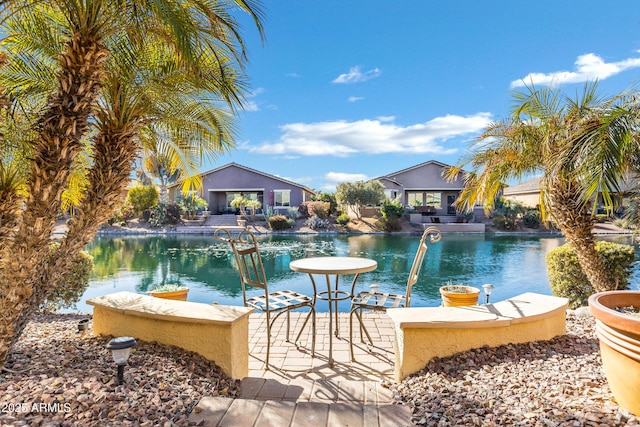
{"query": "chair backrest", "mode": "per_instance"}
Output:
(417, 261)
(247, 255)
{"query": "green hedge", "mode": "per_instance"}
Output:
(69, 291)
(567, 279)
(280, 222)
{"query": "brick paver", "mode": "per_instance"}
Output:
(300, 390)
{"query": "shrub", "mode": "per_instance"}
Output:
(316, 222)
(501, 222)
(331, 199)
(142, 197)
(532, 218)
(389, 224)
(122, 215)
(567, 279)
(162, 214)
(343, 219)
(303, 210)
(319, 209)
(279, 222)
(191, 204)
(293, 214)
(507, 214)
(392, 209)
(67, 293)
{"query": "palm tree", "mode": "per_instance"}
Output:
(88, 30)
(582, 146)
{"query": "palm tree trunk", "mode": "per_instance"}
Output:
(577, 226)
(24, 275)
(113, 161)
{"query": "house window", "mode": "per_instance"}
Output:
(248, 196)
(415, 199)
(391, 194)
(282, 198)
(231, 196)
(433, 199)
(423, 198)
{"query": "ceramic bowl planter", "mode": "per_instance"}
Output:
(619, 336)
(174, 292)
(459, 295)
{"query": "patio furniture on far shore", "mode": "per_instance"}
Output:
(375, 300)
(247, 255)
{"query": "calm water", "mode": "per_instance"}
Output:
(513, 264)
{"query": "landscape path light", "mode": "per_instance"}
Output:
(120, 349)
(488, 288)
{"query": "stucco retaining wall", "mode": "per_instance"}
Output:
(219, 333)
(426, 332)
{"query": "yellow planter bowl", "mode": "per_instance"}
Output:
(458, 299)
(180, 295)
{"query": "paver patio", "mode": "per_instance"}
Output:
(299, 390)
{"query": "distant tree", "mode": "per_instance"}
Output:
(142, 197)
(360, 194)
(328, 197)
(158, 167)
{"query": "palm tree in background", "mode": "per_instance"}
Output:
(582, 146)
(77, 37)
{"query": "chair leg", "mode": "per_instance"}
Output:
(313, 332)
(288, 324)
(312, 313)
(363, 328)
(353, 359)
(266, 366)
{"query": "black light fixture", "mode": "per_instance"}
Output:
(83, 324)
(120, 349)
(488, 288)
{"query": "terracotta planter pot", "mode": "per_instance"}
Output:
(180, 295)
(619, 336)
(457, 299)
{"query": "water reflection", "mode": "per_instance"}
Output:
(513, 264)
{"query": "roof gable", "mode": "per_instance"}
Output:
(423, 176)
(254, 171)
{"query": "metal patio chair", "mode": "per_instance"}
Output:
(375, 300)
(249, 261)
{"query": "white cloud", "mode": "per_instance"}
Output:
(335, 178)
(355, 98)
(381, 136)
(587, 67)
(356, 75)
(249, 104)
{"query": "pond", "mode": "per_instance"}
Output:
(512, 263)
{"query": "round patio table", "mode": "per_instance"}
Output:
(333, 266)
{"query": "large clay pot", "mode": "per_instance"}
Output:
(460, 296)
(180, 295)
(619, 336)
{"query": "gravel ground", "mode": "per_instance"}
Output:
(58, 377)
(552, 383)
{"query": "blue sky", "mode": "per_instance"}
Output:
(354, 89)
